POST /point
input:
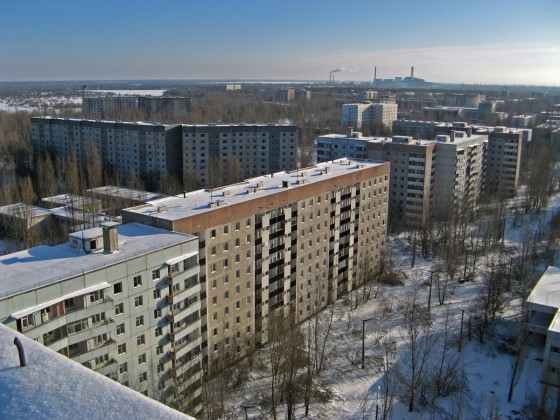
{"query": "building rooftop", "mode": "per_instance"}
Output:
(72, 200)
(43, 265)
(53, 386)
(196, 202)
(547, 290)
(22, 210)
(370, 139)
(127, 193)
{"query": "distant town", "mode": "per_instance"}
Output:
(276, 249)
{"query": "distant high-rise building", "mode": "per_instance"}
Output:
(206, 154)
(361, 115)
(167, 107)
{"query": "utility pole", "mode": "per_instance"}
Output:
(461, 333)
(363, 339)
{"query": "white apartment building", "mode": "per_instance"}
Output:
(412, 178)
(459, 171)
(115, 106)
(544, 319)
(284, 243)
(362, 115)
(109, 106)
(123, 301)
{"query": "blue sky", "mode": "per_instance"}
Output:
(491, 41)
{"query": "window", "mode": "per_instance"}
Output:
(157, 313)
(157, 293)
(123, 368)
(237, 225)
(226, 229)
(121, 348)
(143, 377)
(226, 246)
(138, 301)
(140, 321)
(236, 242)
(141, 358)
(120, 329)
(117, 288)
(226, 294)
(27, 321)
(96, 296)
(137, 281)
(159, 350)
(215, 332)
(119, 309)
(155, 274)
(159, 331)
(213, 233)
(140, 340)
(160, 368)
(554, 349)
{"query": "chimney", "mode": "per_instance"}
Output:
(110, 237)
(349, 131)
(374, 74)
(412, 72)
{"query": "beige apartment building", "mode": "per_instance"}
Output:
(286, 243)
(361, 115)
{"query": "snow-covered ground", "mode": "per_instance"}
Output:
(41, 103)
(352, 392)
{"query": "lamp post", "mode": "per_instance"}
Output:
(430, 292)
(363, 338)
(461, 333)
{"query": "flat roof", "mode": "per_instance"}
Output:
(128, 193)
(43, 265)
(71, 199)
(370, 139)
(53, 386)
(547, 290)
(196, 202)
(23, 210)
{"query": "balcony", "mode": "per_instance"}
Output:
(183, 331)
(179, 295)
(89, 333)
(108, 347)
(176, 315)
(184, 348)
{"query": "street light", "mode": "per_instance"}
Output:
(430, 292)
(461, 333)
(363, 338)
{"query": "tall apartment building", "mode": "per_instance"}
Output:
(150, 150)
(412, 177)
(428, 178)
(414, 128)
(209, 150)
(361, 115)
(281, 244)
(123, 301)
(459, 171)
(503, 160)
(149, 106)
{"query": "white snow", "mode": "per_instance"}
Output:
(54, 387)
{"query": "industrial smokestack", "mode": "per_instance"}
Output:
(412, 72)
(374, 74)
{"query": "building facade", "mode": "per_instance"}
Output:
(123, 301)
(148, 106)
(362, 115)
(284, 244)
(148, 151)
(412, 163)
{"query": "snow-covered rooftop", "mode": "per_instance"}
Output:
(22, 210)
(37, 267)
(196, 202)
(547, 290)
(128, 193)
(370, 139)
(52, 386)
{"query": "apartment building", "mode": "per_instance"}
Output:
(121, 300)
(205, 154)
(459, 171)
(412, 178)
(213, 152)
(149, 106)
(286, 244)
(362, 115)
(414, 128)
(135, 150)
(503, 160)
